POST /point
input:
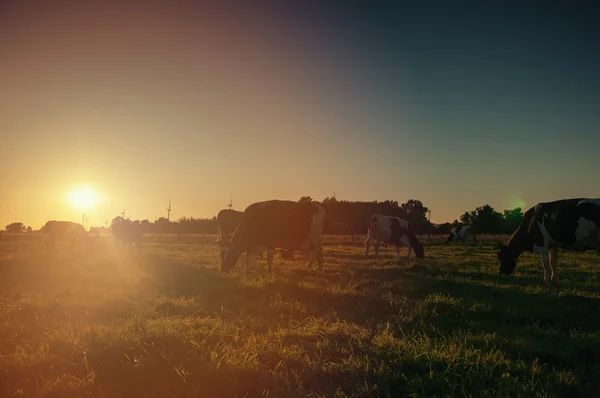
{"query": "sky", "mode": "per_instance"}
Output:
(456, 104)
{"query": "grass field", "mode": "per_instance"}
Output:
(163, 323)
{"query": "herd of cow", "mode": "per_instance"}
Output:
(570, 224)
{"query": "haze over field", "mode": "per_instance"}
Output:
(453, 106)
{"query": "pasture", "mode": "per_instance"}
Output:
(163, 323)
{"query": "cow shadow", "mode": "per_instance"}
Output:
(273, 300)
(175, 278)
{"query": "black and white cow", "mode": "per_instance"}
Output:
(394, 231)
(278, 224)
(570, 224)
(68, 231)
(462, 233)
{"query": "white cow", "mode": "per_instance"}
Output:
(461, 233)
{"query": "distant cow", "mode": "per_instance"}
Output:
(571, 224)
(278, 224)
(461, 233)
(128, 233)
(68, 231)
(227, 222)
(394, 231)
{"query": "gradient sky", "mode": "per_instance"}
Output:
(457, 104)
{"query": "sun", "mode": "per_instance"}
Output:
(83, 198)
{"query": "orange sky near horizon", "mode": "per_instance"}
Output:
(148, 103)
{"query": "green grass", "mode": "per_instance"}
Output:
(163, 323)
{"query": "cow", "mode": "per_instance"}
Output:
(227, 222)
(570, 224)
(281, 224)
(394, 231)
(462, 233)
(65, 230)
(127, 232)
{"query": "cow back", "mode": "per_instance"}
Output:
(276, 223)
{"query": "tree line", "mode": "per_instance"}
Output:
(355, 214)
(344, 217)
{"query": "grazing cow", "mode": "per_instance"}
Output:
(392, 230)
(65, 230)
(571, 224)
(462, 233)
(227, 222)
(279, 224)
(127, 232)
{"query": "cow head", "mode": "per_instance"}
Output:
(419, 251)
(229, 257)
(449, 239)
(507, 259)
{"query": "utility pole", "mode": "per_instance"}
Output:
(430, 226)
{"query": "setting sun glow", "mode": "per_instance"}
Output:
(83, 198)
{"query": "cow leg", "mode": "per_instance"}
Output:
(320, 258)
(368, 244)
(316, 253)
(545, 263)
(248, 261)
(377, 243)
(553, 262)
(448, 239)
(312, 254)
(270, 255)
(398, 252)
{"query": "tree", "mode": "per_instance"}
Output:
(28, 229)
(467, 218)
(118, 221)
(487, 220)
(15, 227)
(512, 219)
(415, 212)
(163, 225)
(306, 199)
(329, 200)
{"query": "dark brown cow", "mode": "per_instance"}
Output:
(65, 230)
(279, 224)
(227, 222)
